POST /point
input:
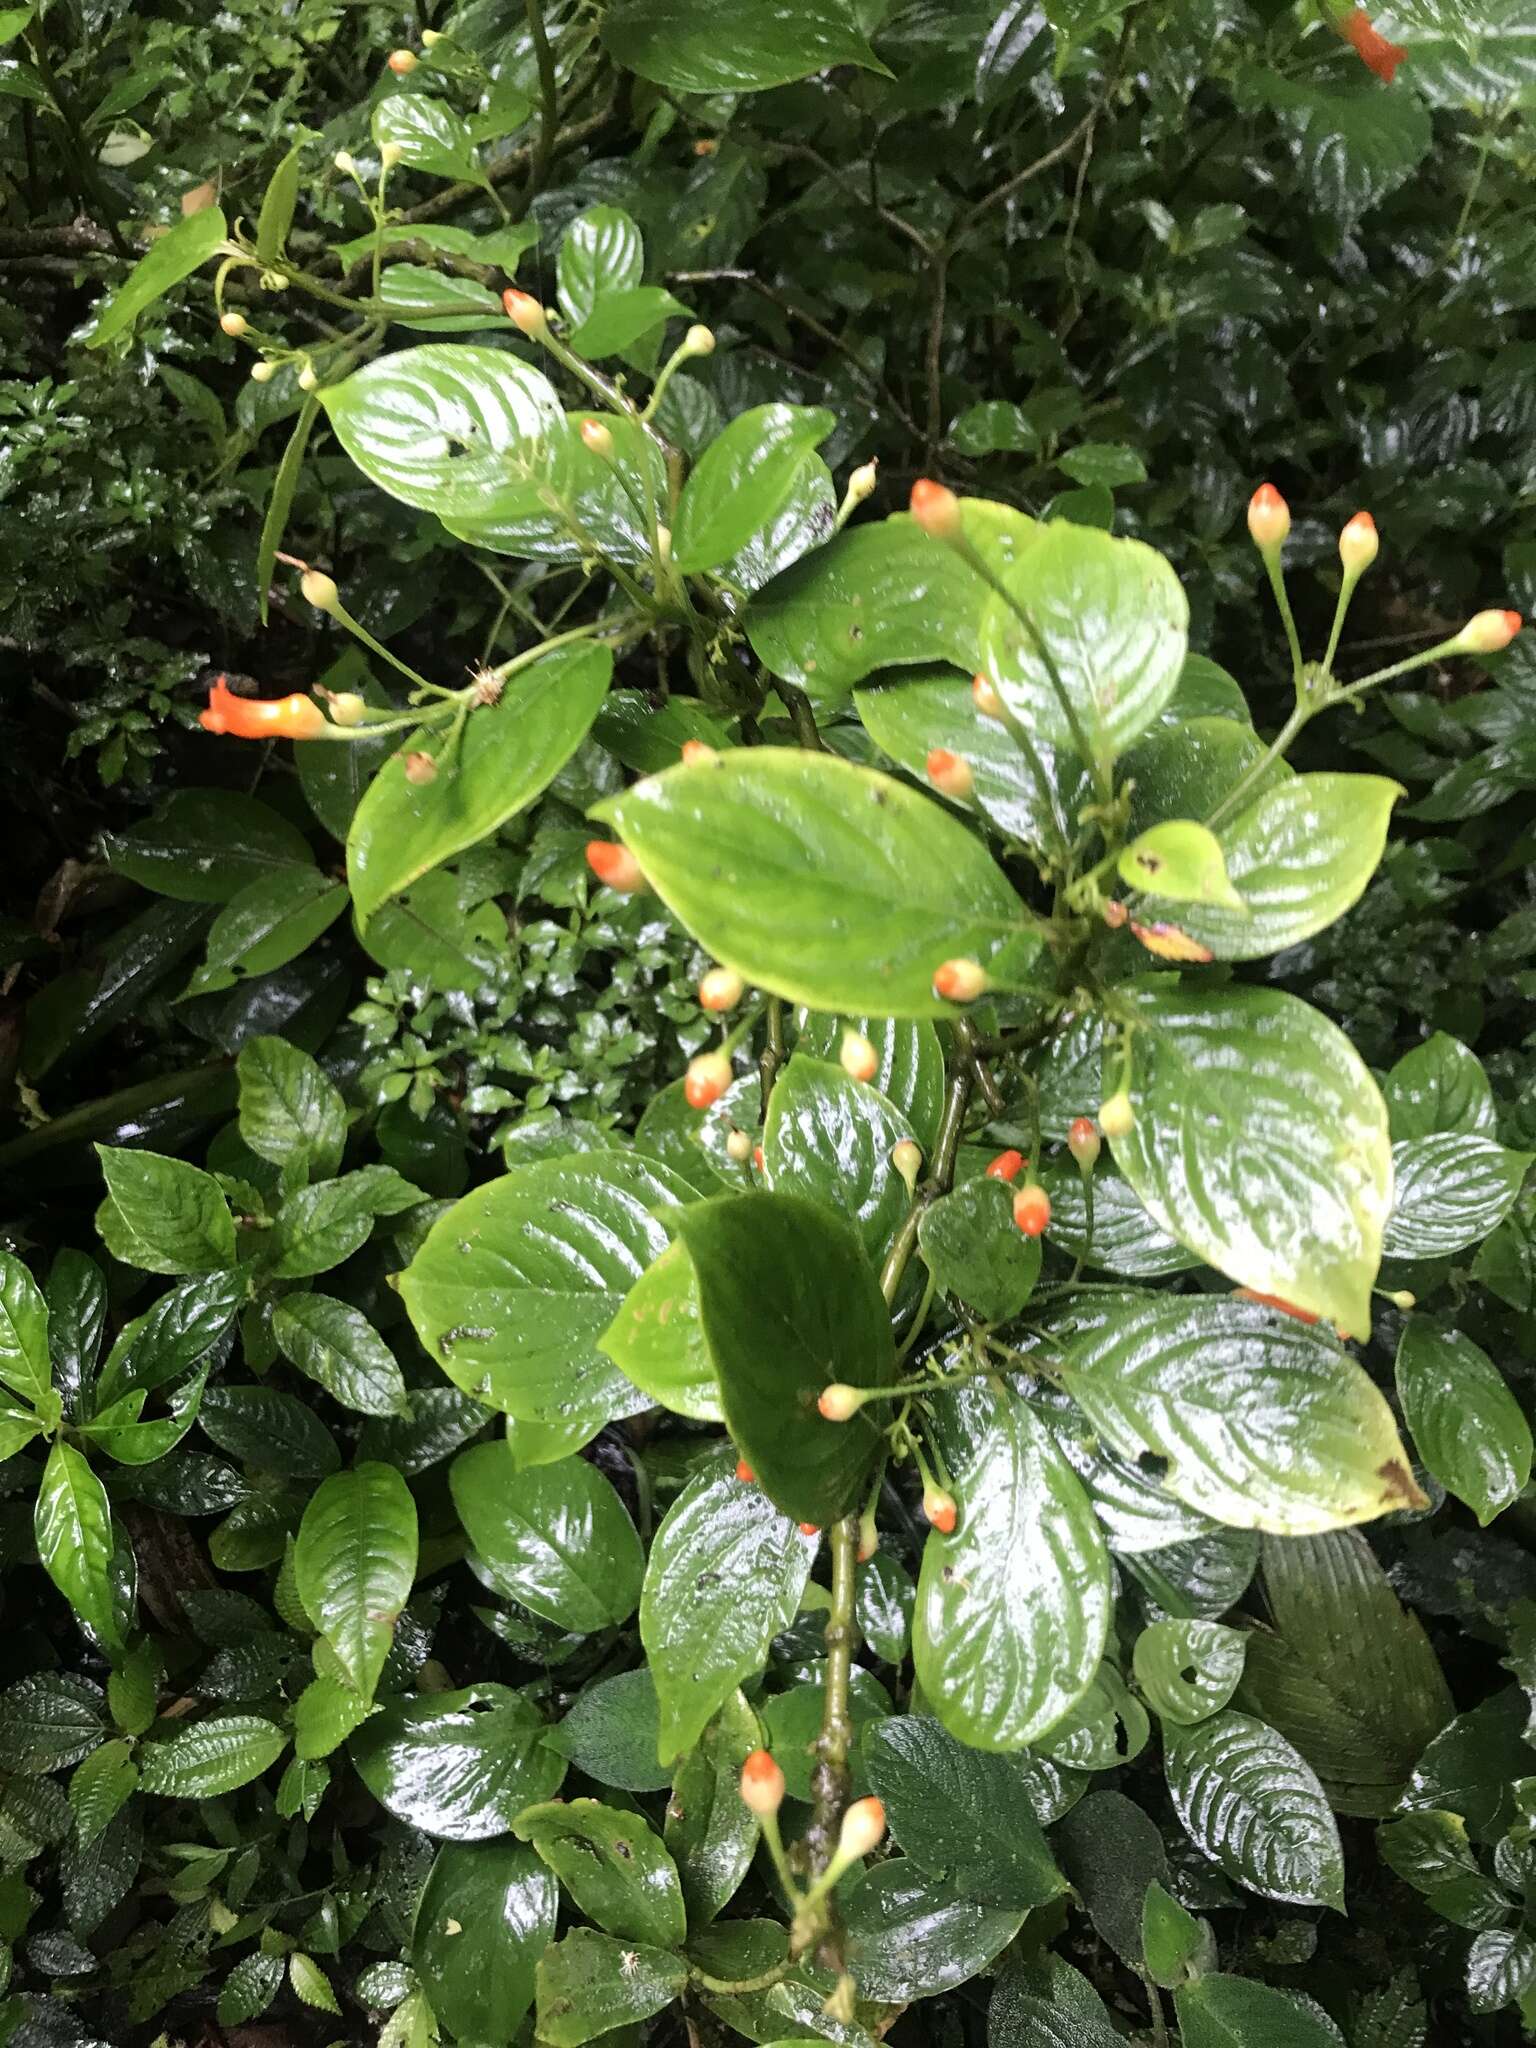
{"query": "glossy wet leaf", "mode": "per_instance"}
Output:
(1259, 1421)
(1248, 1799)
(1182, 861)
(1107, 616)
(1260, 1142)
(1501, 1968)
(429, 135)
(1124, 1239)
(1439, 1086)
(830, 1138)
(606, 496)
(742, 481)
(1218, 2011)
(337, 1347)
(72, 1525)
(1465, 1423)
(485, 1916)
(610, 1733)
(556, 1538)
(514, 1287)
(1299, 857)
(1188, 1669)
(974, 1250)
(1449, 1191)
(458, 1765)
(355, 1562)
(789, 1303)
(614, 1866)
(209, 1757)
(657, 1341)
(171, 258)
(1013, 1608)
(320, 1226)
(452, 428)
(162, 1214)
(510, 751)
(961, 1814)
(909, 1069)
(24, 1362)
(738, 46)
(725, 1575)
(268, 924)
(291, 1113)
(912, 1936)
(821, 881)
(204, 846)
(709, 1830)
(589, 1984)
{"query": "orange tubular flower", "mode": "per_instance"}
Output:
(261, 718)
(1370, 45)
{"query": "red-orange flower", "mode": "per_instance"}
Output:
(1370, 45)
(261, 718)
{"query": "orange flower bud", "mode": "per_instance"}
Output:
(695, 751)
(1358, 544)
(594, 435)
(721, 989)
(745, 1473)
(615, 865)
(762, 1784)
(234, 324)
(1269, 518)
(403, 62)
(858, 1057)
(936, 509)
(985, 698)
(1007, 1165)
(1032, 1209)
(863, 1829)
(839, 1402)
(940, 1509)
(261, 718)
(758, 1161)
(1486, 633)
(707, 1079)
(525, 313)
(949, 773)
(961, 981)
(809, 1529)
(1083, 1142)
(1371, 46)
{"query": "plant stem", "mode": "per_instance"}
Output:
(549, 111)
(773, 1054)
(830, 1779)
(1276, 575)
(1283, 738)
(942, 1169)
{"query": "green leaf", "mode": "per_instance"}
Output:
(1260, 1142)
(509, 753)
(1103, 462)
(290, 1113)
(1353, 146)
(1188, 1669)
(512, 1291)
(1012, 1609)
(163, 1214)
(733, 46)
(310, 1984)
(1181, 861)
(458, 1765)
(1439, 1086)
(743, 480)
(1264, 1424)
(613, 1865)
(590, 1984)
(24, 1363)
(1249, 1800)
(961, 1814)
(607, 497)
(725, 1575)
(465, 432)
(787, 1304)
(610, 1734)
(830, 1138)
(49, 1721)
(271, 1430)
(910, 1069)
(1298, 858)
(319, 1226)
(657, 1339)
(75, 1541)
(268, 924)
(1449, 1191)
(486, 1915)
(1124, 1238)
(1047, 2005)
(429, 135)
(1217, 2011)
(623, 318)
(18, 1426)
(913, 1936)
(338, 1348)
(438, 938)
(249, 1989)
(555, 1538)
(883, 1602)
(1112, 1851)
(171, 258)
(1481, 52)
(435, 303)
(1501, 1968)
(1348, 1675)
(821, 881)
(1465, 1423)
(355, 1561)
(325, 1713)
(792, 1724)
(1107, 616)
(973, 1250)
(1172, 1940)
(277, 206)
(1471, 1766)
(210, 1757)
(170, 1338)
(709, 1830)
(205, 845)
(600, 252)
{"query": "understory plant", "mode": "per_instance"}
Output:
(797, 1317)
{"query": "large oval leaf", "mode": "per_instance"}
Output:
(459, 1765)
(725, 1575)
(742, 481)
(354, 1564)
(1260, 1142)
(734, 45)
(466, 432)
(1466, 1425)
(605, 494)
(913, 1936)
(613, 1865)
(822, 881)
(1216, 2011)
(555, 1537)
(830, 1138)
(174, 256)
(1107, 617)
(485, 1916)
(210, 1757)
(513, 1288)
(1013, 1608)
(72, 1523)
(1247, 1798)
(788, 1303)
(509, 752)
(1263, 1423)
(1449, 1190)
